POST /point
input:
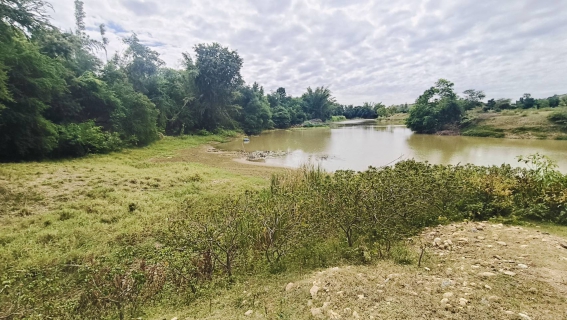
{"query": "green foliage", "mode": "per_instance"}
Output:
(76, 140)
(255, 114)
(436, 109)
(559, 117)
(318, 103)
(484, 132)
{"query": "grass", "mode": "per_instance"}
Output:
(515, 124)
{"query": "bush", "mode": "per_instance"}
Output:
(484, 132)
(559, 117)
(76, 140)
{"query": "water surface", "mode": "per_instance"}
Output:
(359, 144)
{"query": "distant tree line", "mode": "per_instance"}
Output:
(440, 108)
(57, 99)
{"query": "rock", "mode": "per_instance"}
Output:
(444, 301)
(522, 266)
(326, 305)
(427, 269)
(488, 287)
(494, 298)
(347, 311)
(563, 244)
(333, 315)
(463, 302)
(447, 283)
(355, 315)
(502, 243)
(394, 276)
(532, 290)
(509, 273)
(316, 312)
(309, 303)
(313, 291)
(436, 242)
(360, 296)
(463, 240)
(524, 316)
(448, 241)
(248, 313)
(486, 274)
(289, 286)
(448, 295)
(480, 238)
(174, 318)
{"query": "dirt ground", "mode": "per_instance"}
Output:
(469, 271)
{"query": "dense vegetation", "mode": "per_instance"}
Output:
(57, 99)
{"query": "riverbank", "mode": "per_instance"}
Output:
(513, 124)
(85, 233)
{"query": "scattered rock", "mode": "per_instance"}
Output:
(486, 274)
(508, 312)
(427, 269)
(309, 303)
(333, 315)
(448, 295)
(488, 287)
(502, 243)
(480, 238)
(444, 301)
(360, 296)
(174, 318)
(436, 242)
(522, 266)
(248, 313)
(494, 298)
(463, 302)
(316, 312)
(289, 286)
(509, 273)
(355, 315)
(524, 316)
(313, 291)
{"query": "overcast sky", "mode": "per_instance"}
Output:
(368, 50)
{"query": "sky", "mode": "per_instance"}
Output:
(363, 50)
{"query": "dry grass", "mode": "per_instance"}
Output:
(386, 290)
(519, 124)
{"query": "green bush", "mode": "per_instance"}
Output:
(77, 140)
(484, 132)
(559, 117)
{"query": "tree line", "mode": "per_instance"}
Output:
(58, 99)
(440, 108)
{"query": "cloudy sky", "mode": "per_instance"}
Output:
(364, 50)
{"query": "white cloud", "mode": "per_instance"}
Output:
(366, 50)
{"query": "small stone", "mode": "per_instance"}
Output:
(489, 246)
(360, 296)
(444, 301)
(309, 303)
(509, 312)
(486, 274)
(509, 273)
(448, 295)
(524, 316)
(463, 240)
(355, 315)
(248, 313)
(427, 269)
(532, 290)
(480, 238)
(347, 311)
(436, 242)
(316, 312)
(463, 302)
(488, 287)
(313, 291)
(394, 276)
(289, 286)
(326, 305)
(502, 243)
(174, 318)
(522, 266)
(494, 298)
(333, 315)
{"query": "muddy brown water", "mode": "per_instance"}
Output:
(358, 144)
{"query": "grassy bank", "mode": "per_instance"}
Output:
(514, 124)
(173, 227)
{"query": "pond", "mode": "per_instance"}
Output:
(361, 143)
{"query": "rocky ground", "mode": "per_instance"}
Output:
(469, 271)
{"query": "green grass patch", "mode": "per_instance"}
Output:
(484, 132)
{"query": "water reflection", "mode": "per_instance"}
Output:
(359, 144)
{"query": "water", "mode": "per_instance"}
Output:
(358, 144)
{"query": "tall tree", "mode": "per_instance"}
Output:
(319, 103)
(219, 76)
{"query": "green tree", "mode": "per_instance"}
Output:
(318, 103)
(473, 98)
(436, 109)
(219, 76)
(255, 113)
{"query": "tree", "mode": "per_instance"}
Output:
(526, 102)
(281, 117)
(318, 103)
(473, 98)
(219, 76)
(140, 63)
(436, 109)
(23, 15)
(255, 114)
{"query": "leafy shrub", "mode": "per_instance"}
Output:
(77, 140)
(559, 117)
